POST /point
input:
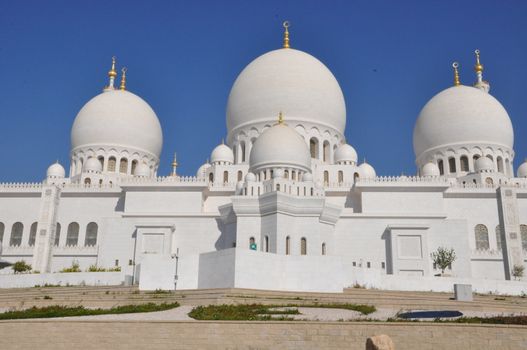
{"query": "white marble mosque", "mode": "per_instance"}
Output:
(284, 204)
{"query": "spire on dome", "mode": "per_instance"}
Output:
(478, 68)
(123, 79)
(286, 35)
(281, 118)
(455, 65)
(174, 166)
(112, 73)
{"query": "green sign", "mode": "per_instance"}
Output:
(253, 246)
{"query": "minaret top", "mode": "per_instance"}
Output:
(455, 65)
(112, 73)
(286, 35)
(123, 79)
(478, 68)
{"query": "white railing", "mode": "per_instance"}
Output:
(403, 179)
(486, 253)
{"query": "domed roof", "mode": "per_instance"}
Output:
(460, 115)
(142, 170)
(430, 170)
(345, 153)
(202, 171)
(366, 171)
(118, 118)
(522, 169)
(280, 146)
(93, 165)
(56, 170)
(250, 177)
(222, 153)
(288, 80)
(483, 164)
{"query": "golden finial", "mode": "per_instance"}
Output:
(478, 67)
(280, 118)
(123, 79)
(112, 72)
(286, 34)
(455, 65)
(174, 166)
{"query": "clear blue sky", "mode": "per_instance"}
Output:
(389, 57)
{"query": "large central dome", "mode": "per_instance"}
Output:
(286, 80)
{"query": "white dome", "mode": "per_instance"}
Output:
(250, 177)
(291, 81)
(118, 118)
(56, 171)
(461, 115)
(202, 171)
(222, 153)
(345, 153)
(142, 170)
(93, 165)
(430, 170)
(522, 169)
(280, 146)
(366, 171)
(483, 164)
(307, 177)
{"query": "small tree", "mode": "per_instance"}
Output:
(517, 271)
(443, 258)
(21, 266)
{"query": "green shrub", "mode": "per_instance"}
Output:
(114, 269)
(95, 268)
(75, 267)
(21, 267)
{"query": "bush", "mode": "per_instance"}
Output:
(95, 268)
(75, 267)
(443, 258)
(517, 271)
(21, 266)
(115, 269)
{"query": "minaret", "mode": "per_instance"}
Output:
(478, 68)
(112, 73)
(286, 35)
(455, 65)
(174, 166)
(123, 79)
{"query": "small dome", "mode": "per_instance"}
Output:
(117, 118)
(142, 170)
(202, 171)
(250, 177)
(462, 115)
(483, 164)
(366, 171)
(298, 83)
(430, 170)
(222, 153)
(56, 171)
(522, 169)
(307, 177)
(345, 153)
(92, 165)
(280, 147)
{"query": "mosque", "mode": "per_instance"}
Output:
(283, 204)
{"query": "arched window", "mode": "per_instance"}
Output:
(211, 177)
(278, 187)
(91, 234)
(303, 246)
(240, 175)
(266, 244)
(242, 150)
(57, 235)
(326, 150)
(87, 181)
(500, 165)
(313, 147)
(16, 234)
(498, 238)
(286, 174)
(523, 234)
(452, 164)
(134, 165)
(293, 175)
(482, 237)
(463, 163)
(489, 181)
(101, 160)
(490, 157)
(123, 166)
(2, 228)
(441, 167)
(323, 248)
(225, 176)
(32, 234)
(507, 166)
(326, 177)
(111, 164)
(340, 176)
(356, 176)
(72, 236)
(287, 245)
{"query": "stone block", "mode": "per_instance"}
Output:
(380, 342)
(463, 292)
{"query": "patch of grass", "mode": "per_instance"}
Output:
(252, 312)
(67, 311)
(362, 308)
(518, 320)
(47, 297)
(159, 291)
